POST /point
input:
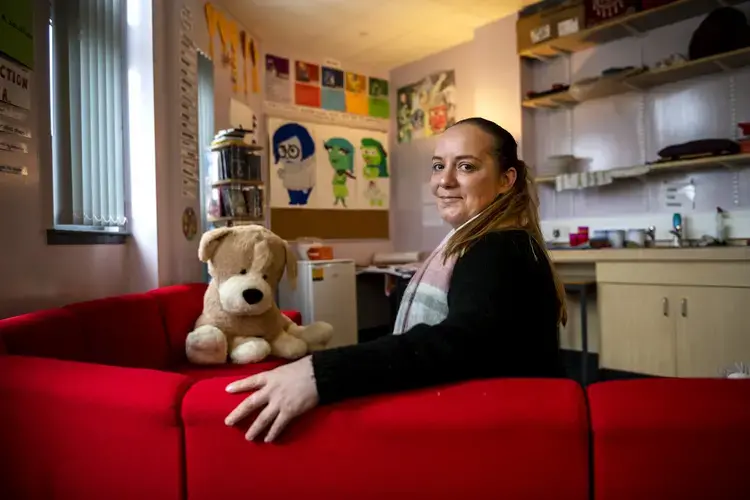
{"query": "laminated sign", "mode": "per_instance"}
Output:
(14, 84)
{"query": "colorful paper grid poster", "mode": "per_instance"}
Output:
(328, 167)
(379, 106)
(426, 107)
(332, 93)
(278, 82)
(307, 86)
(356, 94)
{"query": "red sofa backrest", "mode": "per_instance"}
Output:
(180, 306)
(138, 330)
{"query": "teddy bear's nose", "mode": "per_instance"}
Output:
(252, 296)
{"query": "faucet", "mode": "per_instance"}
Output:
(651, 235)
(677, 231)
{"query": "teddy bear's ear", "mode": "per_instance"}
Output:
(291, 265)
(210, 242)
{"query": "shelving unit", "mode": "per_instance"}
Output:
(638, 80)
(237, 189)
(624, 27)
(728, 161)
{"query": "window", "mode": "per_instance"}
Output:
(88, 91)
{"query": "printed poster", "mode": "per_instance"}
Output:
(307, 84)
(332, 93)
(17, 30)
(278, 82)
(379, 106)
(14, 84)
(427, 107)
(356, 94)
(294, 154)
(239, 50)
(328, 167)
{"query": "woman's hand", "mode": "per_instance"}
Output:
(284, 393)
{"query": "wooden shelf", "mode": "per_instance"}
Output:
(624, 27)
(674, 166)
(236, 182)
(642, 80)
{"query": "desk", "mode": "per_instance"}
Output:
(582, 286)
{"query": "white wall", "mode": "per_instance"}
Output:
(630, 129)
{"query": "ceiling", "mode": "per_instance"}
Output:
(372, 33)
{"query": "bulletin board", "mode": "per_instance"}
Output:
(328, 181)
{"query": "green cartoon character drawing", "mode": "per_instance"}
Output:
(341, 157)
(375, 157)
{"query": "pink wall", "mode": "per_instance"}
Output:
(488, 83)
(32, 274)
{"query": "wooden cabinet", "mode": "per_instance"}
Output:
(667, 330)
(712, 330)
(637, 331)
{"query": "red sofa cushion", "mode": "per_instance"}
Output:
(228, 370)
(124, 331)
(87, 431)
(519, 439)
(671, 438)
(53, 333)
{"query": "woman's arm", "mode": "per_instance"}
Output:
(485, 334)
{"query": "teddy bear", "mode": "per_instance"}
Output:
(240, 318)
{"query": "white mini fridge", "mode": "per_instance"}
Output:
(326, 291)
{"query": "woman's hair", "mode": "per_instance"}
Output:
(517, 208)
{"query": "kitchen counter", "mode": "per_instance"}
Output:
(659, 254)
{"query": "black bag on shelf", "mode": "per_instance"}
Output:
(723, 30)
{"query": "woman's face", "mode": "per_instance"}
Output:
(465, 177)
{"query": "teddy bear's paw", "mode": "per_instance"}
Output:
(206, 345)
(249, 350)
(316, 334)
(288, 346)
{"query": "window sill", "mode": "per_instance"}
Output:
(77, 235)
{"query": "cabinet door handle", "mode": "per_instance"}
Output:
(683, 308)
(665, 306)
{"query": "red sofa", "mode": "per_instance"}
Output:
(98, 401)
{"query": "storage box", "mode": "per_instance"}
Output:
(601, 11)
(547, 20)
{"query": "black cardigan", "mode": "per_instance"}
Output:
(502, 322)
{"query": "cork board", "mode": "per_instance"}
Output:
(294, 223)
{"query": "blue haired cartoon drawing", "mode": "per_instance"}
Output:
(294, 152)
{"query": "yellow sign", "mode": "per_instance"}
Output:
(235, 42)
(317, 274)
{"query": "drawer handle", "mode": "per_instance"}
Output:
(683, 308)
(665, 306)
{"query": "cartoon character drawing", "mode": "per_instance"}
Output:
(355, 83)
(341, 157)
(294, 149)
(375, 157)
(375, 195)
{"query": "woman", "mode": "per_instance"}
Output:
(486, 303)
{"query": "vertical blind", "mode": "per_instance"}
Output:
(95, 37)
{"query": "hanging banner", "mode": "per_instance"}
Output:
(14, 84)
(16, 30)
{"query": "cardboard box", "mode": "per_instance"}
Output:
(548, 20)
(601, 11)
